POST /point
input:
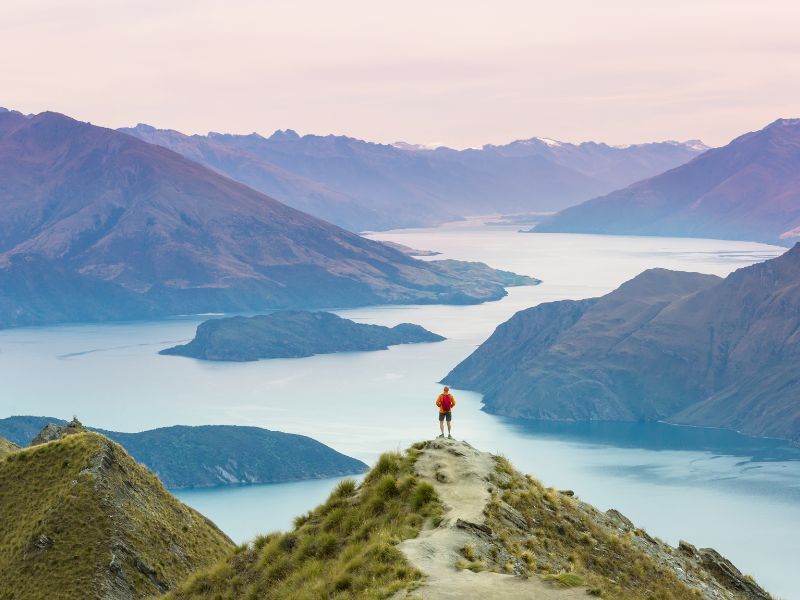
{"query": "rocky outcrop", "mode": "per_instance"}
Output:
(504, 535)
(293, 334)
(682, 347)
(54, 431)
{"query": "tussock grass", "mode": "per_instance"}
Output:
(7, 447)
(569, 544)
(566, 579)
(476, 566)
(344, 548)
(67, 506)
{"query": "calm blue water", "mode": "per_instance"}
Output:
(713, 488)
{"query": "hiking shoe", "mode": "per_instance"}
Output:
(449, 437)
(441, 435)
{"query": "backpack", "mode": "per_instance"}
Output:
(447, 402)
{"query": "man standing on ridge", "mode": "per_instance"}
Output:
(445, 402)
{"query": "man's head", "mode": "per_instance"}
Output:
(446, 389)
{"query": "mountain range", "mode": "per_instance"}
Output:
(98, 225)
(361, 185)
(680, 347)
(746, 190)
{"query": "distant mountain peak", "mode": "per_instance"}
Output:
(416, 147)
(784, 122)
(549, 142)
(284, 134)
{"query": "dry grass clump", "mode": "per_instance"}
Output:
(344, 548)
(68, 506)
(567, 542)
(7, 447)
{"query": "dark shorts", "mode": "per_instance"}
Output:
(448, 415)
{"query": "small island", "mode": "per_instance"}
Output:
(293, 334)
(183, 456)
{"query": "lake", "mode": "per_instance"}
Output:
(713, 488)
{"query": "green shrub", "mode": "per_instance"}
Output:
(423, 494)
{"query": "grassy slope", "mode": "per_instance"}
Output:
(345, 548)
(565, 540)
(81, 519)
(7, 447)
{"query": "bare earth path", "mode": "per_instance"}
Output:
(460, 475)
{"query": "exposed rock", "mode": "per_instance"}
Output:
(53, 431)
(728, 575)
(482, 532)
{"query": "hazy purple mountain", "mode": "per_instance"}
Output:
(681, 347)
(749, 189)
(96, 224)
(361, 185)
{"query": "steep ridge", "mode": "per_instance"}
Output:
(206, 455)
(445, 520)
(361, 185)
(97, 225)
(504, 535)
(293, 334)
(80, 519)
(749, 189)
(681, 347)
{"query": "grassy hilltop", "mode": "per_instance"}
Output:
(445, 519)
(81, 519)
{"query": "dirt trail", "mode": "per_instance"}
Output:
(460, 475)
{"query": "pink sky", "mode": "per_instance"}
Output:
(461, 73)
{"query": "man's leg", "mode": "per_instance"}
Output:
(441, 425)
(449, 424)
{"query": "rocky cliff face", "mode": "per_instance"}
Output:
(681, 347)
(749, 189)
(81, 519)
